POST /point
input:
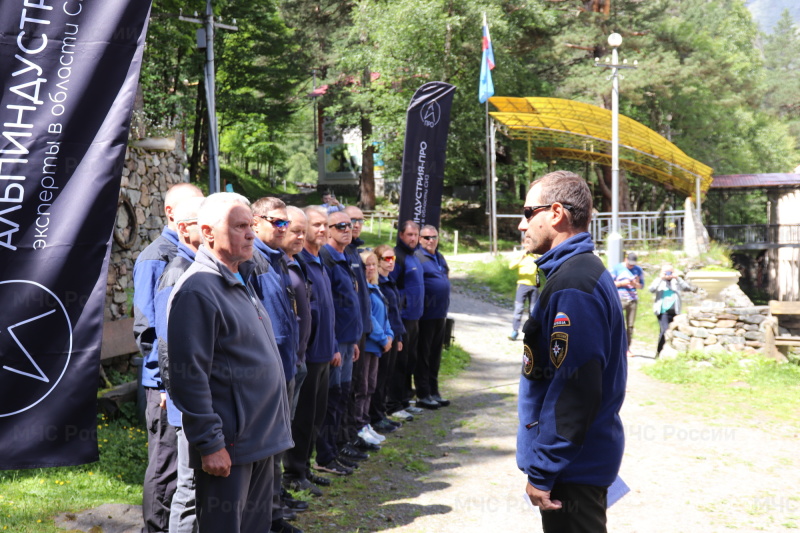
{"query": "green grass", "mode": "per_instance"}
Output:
(731, 384)
(454, 360)
(30, 499)
(251, 187)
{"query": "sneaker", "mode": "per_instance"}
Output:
(292, 503)
(385, 426)
(346, 462)
(441, 401)
(353, 454)
(402, 414)
(375, 434)
(428, 403)
(282, 526)
(367, 436)
(361, 444)
(395, 423)
(334, 467)
(299, 485)
(287, 513)
(414, 410)
(513, 336)
(318, 480)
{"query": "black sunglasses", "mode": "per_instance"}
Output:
(341, 226)
(357, 221)
(277, 222)
(429, 237)
(529, 211)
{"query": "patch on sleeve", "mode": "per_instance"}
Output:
(562, 320)
(527, 362)
(559, 343)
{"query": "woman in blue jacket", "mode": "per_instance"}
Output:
(378, 341)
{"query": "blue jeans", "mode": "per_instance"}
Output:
(338, 394)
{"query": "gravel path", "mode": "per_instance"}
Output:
(687, 474)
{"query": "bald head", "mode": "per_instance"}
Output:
(174, 196)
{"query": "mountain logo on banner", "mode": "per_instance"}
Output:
(33, 318)
(430, 114)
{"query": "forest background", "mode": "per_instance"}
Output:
(709, 80)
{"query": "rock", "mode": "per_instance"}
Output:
(680, 319)
(753, 319)
(701, 333)
(668, 352)
(736, 347)
(754, 344)
(754, 336)
(120, 296)
(727, 316)
(731, 339)
(682, 336)
(726, 323)
(752, 327)
(680, 344)
(723, 331)
(711, 339)
(696, 344)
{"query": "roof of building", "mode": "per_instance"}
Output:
(576, 130)
(755, 181)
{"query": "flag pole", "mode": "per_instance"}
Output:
(494, 187)
(489, 194)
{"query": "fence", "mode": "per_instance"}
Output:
(640, 226)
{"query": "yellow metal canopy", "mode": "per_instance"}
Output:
(565, 129)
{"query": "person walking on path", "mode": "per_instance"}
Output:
(628, 277)
(667, 288)
(527, 287)
(570, 439)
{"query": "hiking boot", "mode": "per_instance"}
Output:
(318, 480)
(513, 336)
(414, 410)
(282, 526)
(385, 426)
(292, 503)
(350, 452)
(299, 485)
(348, 463)
(428, 403)
(334, 467)
(361, 444)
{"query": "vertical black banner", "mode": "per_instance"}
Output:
(427, 123)
(68, 73)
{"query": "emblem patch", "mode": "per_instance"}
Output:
(561, 320)
(559, 343)
(527, 361)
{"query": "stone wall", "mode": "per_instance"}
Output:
(146, 176)
(731, 329)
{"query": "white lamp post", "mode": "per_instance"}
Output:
(614, 239)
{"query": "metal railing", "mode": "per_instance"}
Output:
(756, 235)
(642, 226)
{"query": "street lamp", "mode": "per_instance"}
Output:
(614, 240)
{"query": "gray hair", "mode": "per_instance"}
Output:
(269, 203)
(295, 212)
(214, 207)
(316, 209)
(428, 226)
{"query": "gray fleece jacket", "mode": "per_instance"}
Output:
(226, 373)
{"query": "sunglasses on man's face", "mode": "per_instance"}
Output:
(429, 237)
(277, 222)
(388, 258)
(341, 226)
(529, 211)
(357, 221)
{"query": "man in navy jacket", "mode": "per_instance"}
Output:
(570, 439)
(160, 476)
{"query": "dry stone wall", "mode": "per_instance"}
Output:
(739, 329)
(146, 176)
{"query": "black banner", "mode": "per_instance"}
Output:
(69, 70)
(427, 123)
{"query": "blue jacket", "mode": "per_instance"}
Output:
(357, 266)
(381, 328)
(389, 291)
(344, 285)
(407, 274)
(148, 268)
(437, 284)
(302, 304)
(573, 373)
(321, 340)
(274, 290)
(169, 278)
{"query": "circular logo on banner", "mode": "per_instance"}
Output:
(430, 114)
(35, 344)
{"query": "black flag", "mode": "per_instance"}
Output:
(427, 123)
(69, 73)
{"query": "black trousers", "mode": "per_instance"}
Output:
(400, 391)
(161, 476)
(311, 407)
(239, 503)
(583, 509)
(664, 320)
(429, 356)
(386, 368)
(277, 476)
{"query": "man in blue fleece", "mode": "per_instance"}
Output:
(570, 438)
